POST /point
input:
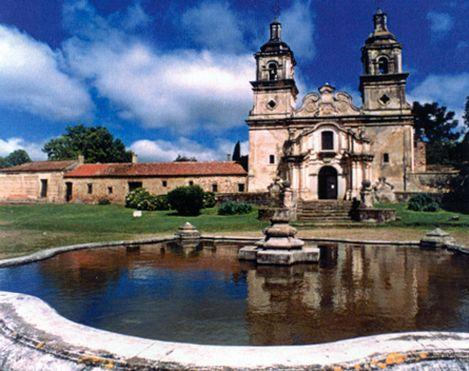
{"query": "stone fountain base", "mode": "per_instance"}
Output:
(279, 257)
(280, 246)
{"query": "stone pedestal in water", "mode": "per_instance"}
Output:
(188, 238)
(280, 246)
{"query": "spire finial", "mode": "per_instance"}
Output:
(277, 9)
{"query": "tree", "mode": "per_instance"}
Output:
(183, 158)
(96, 144)
(439, 130)
(237, 151)
(15, 158)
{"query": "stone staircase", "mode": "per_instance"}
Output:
(324, 212)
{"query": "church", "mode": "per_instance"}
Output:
(327, 147)
(324, 148)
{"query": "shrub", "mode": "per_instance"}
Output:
(209, 200)
(141, 199)
(234, 208)
(161, 202)
(422, 202)
(187, 200)
(104, 201)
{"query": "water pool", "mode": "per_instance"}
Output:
(209, 297)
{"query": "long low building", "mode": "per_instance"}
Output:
(73, 181)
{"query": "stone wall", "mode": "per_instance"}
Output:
(395, 141)
(26, 187)
(115, 189)
(262, 144)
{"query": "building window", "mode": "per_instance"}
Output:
(273, 71)
(383, 66)
(272, 159)
(385, 158)
(191, 182)
(43, 188)
(327, 140)
(110, 190)
(90, 188)
(164, 183)
(134, 185)
(240, 187)
(214, 188)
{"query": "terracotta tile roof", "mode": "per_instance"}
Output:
(39, 166)
(158, 169)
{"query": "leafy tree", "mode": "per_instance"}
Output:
(439, 129)
(237, 151)
(182, 158)
(96, 143)
(18, 157)
(15, 158)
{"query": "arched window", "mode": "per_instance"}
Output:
(273, 71)
(327, 140)
(383, 66)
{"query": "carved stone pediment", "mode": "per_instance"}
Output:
(327, 102)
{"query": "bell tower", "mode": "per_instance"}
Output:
(274, 89)
(383, 83)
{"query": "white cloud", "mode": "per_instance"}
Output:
(440, 23)
(161, 150)
(12, 144)
(31, 79)
(298, 29)
(449, 90)
(178, 90)
(214, 25)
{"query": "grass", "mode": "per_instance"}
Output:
(28, 228)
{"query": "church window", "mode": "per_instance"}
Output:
(164, 183)
(90, 188)
(383, 66)
(272, 104)
(191, 182)
(272, 159)
(110, 190)
(273, 71)
(385, 158)
(327, 140)
(240, 187)
(214, 187)
(384, 99)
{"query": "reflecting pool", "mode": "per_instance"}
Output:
(208, 297)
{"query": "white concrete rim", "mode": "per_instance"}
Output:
(32, 324)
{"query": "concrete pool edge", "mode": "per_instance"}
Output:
(50, 252)
(32, 331)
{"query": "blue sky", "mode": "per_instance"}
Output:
(172, 77)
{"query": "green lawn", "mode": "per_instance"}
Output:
(28, 228)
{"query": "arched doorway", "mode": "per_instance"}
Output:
(327, 183)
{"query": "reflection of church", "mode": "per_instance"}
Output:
(327, 146)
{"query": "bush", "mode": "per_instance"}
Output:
(187, 200)
(234, 208)
(141, 199)
(209, 200)
(104, 201)
(422, 202)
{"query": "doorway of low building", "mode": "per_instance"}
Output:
(327, 183)
(68, 191)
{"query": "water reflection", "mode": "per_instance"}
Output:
(204, 294)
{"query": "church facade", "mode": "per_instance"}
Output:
(328, 147)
